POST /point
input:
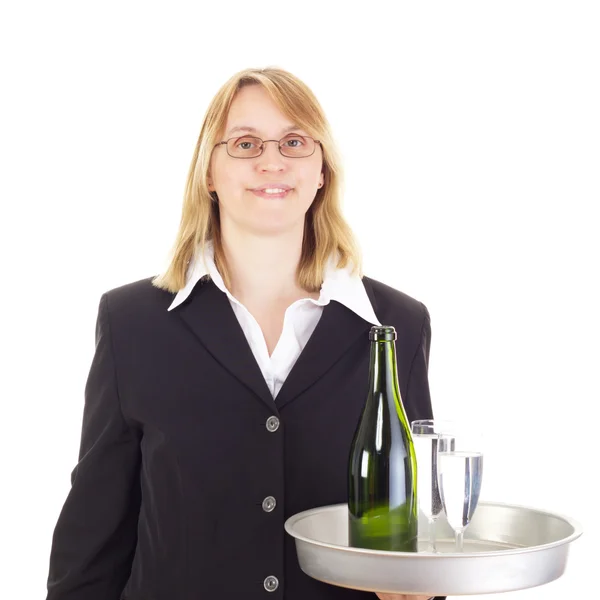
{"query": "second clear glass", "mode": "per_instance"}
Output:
(460, 470)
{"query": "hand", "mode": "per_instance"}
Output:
(402, 597)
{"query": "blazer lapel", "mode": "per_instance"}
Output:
(209, 315)
(337, 330)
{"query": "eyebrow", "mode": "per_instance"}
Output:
(254, 130)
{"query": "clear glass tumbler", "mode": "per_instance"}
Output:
(429, 435)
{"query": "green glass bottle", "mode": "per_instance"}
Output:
(382, 466)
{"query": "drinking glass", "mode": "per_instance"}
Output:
(429, 435)
(460, 469)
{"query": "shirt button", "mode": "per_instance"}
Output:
(271, 583)
(269, 504)
(272, 424)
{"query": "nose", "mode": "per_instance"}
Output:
(271, 159)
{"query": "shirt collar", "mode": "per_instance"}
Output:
(338, 284)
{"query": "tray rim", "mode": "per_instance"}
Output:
(577, 532)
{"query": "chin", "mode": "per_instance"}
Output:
(272, 224)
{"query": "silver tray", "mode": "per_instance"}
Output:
(506, 548)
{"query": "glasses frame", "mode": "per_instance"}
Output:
(263, 142)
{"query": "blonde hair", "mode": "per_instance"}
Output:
(325, 229)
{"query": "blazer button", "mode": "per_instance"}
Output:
(272, 424)
(269, 504)
(271, 583)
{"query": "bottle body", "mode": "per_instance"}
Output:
(382, 467)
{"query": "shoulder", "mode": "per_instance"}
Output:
(137, 297)
(394, 307)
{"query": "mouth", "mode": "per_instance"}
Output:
(272, 192)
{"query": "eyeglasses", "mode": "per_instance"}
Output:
(292, 146)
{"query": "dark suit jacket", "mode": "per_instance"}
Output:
(176, 456)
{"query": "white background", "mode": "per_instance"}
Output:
(470, 133)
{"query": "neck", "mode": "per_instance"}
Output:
(263, 268)
(383, 367)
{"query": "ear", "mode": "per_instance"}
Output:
(211, 186)
(321, 179)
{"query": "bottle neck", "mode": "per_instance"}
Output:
(383, 370)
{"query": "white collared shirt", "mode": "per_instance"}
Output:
(300, 319)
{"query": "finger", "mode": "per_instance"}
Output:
(402, 597)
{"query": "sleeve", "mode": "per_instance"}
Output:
(418, 398)
(95, 536)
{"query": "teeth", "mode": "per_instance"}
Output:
(273, 190)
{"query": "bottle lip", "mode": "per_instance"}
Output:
(382, 333)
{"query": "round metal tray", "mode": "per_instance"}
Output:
(506, 548)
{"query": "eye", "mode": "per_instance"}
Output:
(294, 141)
(246, 143)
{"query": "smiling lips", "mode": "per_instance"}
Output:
(273, 190)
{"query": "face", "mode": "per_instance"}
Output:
(234, 178)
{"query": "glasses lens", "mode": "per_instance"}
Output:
(297, 146)
(244, 147)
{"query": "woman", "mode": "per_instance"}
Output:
(224, 394)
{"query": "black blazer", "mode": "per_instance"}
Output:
(182, 441)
